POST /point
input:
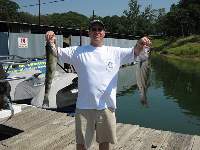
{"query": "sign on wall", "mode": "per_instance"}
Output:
(22, 42)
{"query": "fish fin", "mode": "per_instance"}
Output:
(45, 104)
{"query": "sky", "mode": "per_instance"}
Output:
(101, 7)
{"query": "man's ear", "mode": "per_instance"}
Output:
(104, 33)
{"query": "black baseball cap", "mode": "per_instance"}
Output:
(94, 22)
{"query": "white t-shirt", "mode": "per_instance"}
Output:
(97, 69)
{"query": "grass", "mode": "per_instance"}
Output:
(185, 46)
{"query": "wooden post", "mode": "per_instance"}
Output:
(39, 13)
(80, 35)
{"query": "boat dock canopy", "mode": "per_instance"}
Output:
(18, 27)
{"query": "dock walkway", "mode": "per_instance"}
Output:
(40, 129)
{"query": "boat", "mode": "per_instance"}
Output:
(26, 77)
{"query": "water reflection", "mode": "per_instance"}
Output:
(126, 80)
(181, 81)
(174, 98)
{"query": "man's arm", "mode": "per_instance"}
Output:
(64, 54)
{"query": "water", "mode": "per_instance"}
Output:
(173, 96)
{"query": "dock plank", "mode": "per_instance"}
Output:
(194, 143)
(137, 140)
(62, 138)
(41, 125)
(154, 139)
(2, 147)
(124, 135)
(50, 130)
(178, 141)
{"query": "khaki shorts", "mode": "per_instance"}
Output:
(89, 120)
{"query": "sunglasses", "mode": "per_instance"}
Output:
(96, 29)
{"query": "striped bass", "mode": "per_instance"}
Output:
(142, 77)
(51, 62)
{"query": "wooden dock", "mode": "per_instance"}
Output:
(40, 129)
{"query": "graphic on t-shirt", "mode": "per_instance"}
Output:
(110, 65)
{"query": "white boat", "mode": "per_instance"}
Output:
(27, 82)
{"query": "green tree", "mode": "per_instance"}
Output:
(140, 23)
(182, 20)
(8, 10)
(187, 3)
(26, 17)
(146, 21)
(159, 25)
(132, 16)
(69, 19)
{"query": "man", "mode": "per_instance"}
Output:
(97, 67)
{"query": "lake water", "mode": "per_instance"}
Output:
(173, 97)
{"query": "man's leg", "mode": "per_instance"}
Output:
(85, 128)
(106, 128)
(80, 147)
(104, 146)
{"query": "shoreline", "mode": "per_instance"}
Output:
(187, 48)
(195, 59)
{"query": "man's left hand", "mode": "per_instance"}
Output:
(142, 43)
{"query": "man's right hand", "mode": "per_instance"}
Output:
(50, 37)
